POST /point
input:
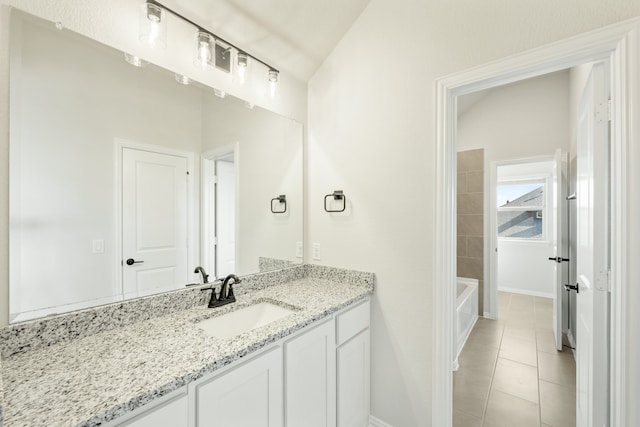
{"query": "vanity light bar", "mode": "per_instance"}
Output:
(242, 54)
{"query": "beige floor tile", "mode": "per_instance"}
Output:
(546, 342)
(498, 377)
(521, 320)
(484, 323)
(543, 302)
(522, 332)
(517, 379)
(480, 359)
(470, 393)
(544, 325)
(462, 419)
(525, 302)
(485, 337)
(557, 368)
(558, 404)
(520, 311)
(505, 410)
(544, 314)
(519, 350)
(504, 296)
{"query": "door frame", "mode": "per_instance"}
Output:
(207, 160)
(619, 43)
(192, 211)
(492, 211)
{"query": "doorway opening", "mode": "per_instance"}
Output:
(603, 45)
(219, 210)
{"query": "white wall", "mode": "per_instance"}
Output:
(70, 101)
(371, 133)
(523, 265)
(269, 164)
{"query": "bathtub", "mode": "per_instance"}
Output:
(466, 312)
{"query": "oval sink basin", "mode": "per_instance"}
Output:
(243, 320)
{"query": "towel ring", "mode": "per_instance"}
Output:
(282, 199)
(337, 195)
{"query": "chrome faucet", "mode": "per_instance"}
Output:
(205, 276)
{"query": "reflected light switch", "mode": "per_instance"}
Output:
(98, 246)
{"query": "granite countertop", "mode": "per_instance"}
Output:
(97, 378)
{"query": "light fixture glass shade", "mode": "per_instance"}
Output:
(136, 61)
(205, 50)
(153, 25)
(242, 64)
(273, 82)
(182, 79)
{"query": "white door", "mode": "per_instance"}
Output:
(592, 242)
(559, 242)
(225, 218)
(154, 222)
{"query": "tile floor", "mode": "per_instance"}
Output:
(510, 372)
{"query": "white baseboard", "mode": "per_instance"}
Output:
(375, 422)
(526, 292)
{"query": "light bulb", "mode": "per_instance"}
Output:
(153, 25)
(204, 50)
(242, 66)
(273, 82)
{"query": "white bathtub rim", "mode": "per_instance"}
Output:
(471, 285)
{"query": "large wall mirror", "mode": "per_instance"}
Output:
(123, 179)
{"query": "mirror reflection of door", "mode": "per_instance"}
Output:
(154, 222)
(225, 218)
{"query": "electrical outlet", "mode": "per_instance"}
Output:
(316, 252)
(299, 250)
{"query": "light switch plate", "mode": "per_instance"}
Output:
(98, 246)
(316, 252)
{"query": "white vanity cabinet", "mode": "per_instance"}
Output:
(319, 377)
(247, 395)
(353, 366)
(310, 378)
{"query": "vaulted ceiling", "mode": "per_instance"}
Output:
(293, 35)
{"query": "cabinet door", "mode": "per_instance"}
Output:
(173, 413)
(310, 384)
(249, 395)
(353, 381)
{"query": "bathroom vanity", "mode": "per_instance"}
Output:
(307, 368)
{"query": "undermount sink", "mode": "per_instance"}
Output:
(245, 319)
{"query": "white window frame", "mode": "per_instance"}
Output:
(544, 180)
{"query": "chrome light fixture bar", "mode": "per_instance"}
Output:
(206, 54)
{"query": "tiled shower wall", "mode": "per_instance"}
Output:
(471, 218)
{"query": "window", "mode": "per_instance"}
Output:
(520, 210)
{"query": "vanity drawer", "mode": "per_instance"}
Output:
(352, 322)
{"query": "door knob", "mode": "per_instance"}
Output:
(132, 261)
(558, 259)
